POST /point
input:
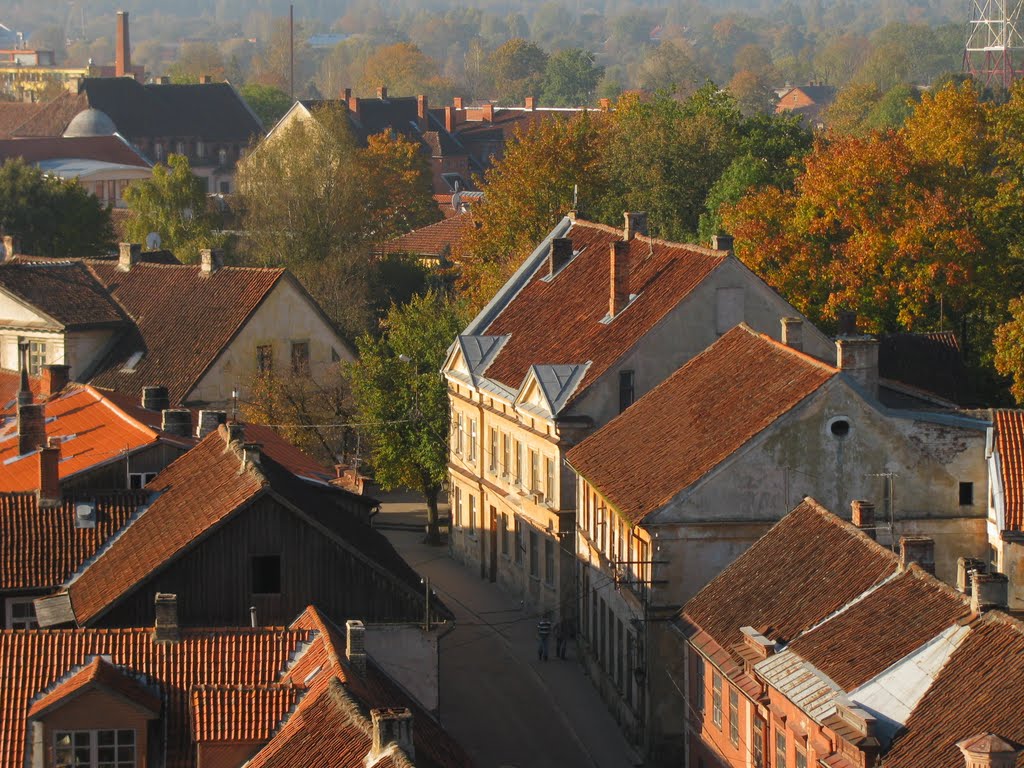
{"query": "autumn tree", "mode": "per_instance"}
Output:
(517, 70)
(404, 69)
(402, 401)
(670, 68)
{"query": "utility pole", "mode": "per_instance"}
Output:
(426, 622)
(291, 51)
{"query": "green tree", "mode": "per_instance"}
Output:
(671, 69)
(517, 70)
(267, 102)
(570, 78)
(49, 216)
(403, 402)
(173, 204)
(893, 109)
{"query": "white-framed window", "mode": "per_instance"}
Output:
(21, 613)
(492, 462)
(472, 439)
(94, 749)
(519, 463)
(158, 151)
(549, 480)
(471, 524)
(534, 472)
(716, 699)
(460, 428)
(200, 150)
(179, 148)
(137, 480)
(506, 453)
(36, 357)
(222, 156)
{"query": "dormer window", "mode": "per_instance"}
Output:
(158, 150)
(180, 147)
(200, 150)
(93, 749)
(222, 156)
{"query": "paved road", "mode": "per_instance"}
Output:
(504, 706)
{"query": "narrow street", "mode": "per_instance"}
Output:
(507, 708)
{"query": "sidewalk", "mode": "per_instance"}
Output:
(506, 707)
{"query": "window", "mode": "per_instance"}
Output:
(966, 494)
(225, 187)
(534, 471)
(801, 758)
(758, 742)
(611, 644)
(266, 575)
(300, 357)
(534, 555)
(200, 150)
(780, 749)
(630, 663)
(471, 521)
(504, 534)
(549, 479)
(222, 156)
(137, 480)
(458, 506)
(493, 459)
(519, 541)
(265, 358)
(460, 427)
(21, 613)
(95, 749)
(472, 439)
(519, 463)
(549, 562)
(734, 717)
(699, 683)
(716, 698)
(839, 427)
(627, 390)
(505, 455)
(179, 148)
(36, 357)
(618, 658)
(158, 150)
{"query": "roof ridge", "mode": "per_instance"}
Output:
(798, 353)
(694, 247)
(117, 411)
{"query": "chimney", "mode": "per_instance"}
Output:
(457, 102)
(123, 54)
(449, 119)
(128, 256)
(31, 428)
(54, 378)
(847, 322)
(965, 566)
(353, 103)
(382, 92)
(176, 421)
(155, 399)
(988, 591)
(210, 260)
(166, 628)
(488, 112)
(355, 646)
(235, 432)
(560, 255)
(605, 105)
(423, 112)
(531, 103)
(209, 421)
(636, 224)
(857, 356)
(721, 243)
(10, 247)
(49, 477)
(251, 453)
(619, 277)
(917, 549)
(793, 334)
(758, 642)
(863, 516)
(391, 727)
(986, 750)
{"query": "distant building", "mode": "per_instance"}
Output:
(432, 244)
(809, 101)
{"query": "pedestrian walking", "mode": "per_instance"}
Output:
(543, 632)
(561, 636)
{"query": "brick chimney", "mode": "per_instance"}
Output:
(619, 277)
(209, 421)
(457, 102)
(449, 119)
(10, 247)
(605, 105)
(423, 112)
(917, 549)
(986, 750)
(721, 243)
(355, 646)
(53, 379)
(128, 255)
(210, 260)
(488, 113)
(382, 92)
(155, 398)
(847, 322)
(863, 516)
(635, 224)
(965, 566)
(857, 356)
(31, 428)
(391, 727)
(353, 103)
(989, 591)
(166, 628)
(176, 421)
(49, 477)
(560, 254)
(123, 52)
(793, 333)
(531, 103)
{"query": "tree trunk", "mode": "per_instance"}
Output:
(433, 529)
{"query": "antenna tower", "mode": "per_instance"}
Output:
(994, 54)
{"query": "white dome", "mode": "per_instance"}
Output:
(91, 122)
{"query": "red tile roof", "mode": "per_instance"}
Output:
(90, 429)
(100, 674)
(13, 114)
(183, 320)
(53, 117)
(108, 149)
(805, 568)
(41, 548)
(1009, 428)
(695, 419)
(435, 240)
(559, 321)
(65, 291)
(34, 660)
(240, 713)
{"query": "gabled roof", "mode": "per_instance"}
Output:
(107, 149)
(97, 674)
(1009, 445)
(558, 321)
(64, 291)
(434, 240)
(13, 114)
(477, 353)
(183, 320)
(695, 419)
(53, 117)
(556, 385)
(805, 568)
(41, 547)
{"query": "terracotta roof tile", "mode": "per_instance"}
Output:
(41, 548)
(805, 568)
(436, 240)
(102, 674)
(108, 149)
(240, 713)
(34, 660)
(694, 420)
(13, 114)
(183, 320)
(53, 117)
(559, 321)
(64, 290)
(1009, 427)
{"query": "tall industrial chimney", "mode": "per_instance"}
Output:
(123, 55)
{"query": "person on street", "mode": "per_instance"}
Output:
(543, 632)
(560, 639)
